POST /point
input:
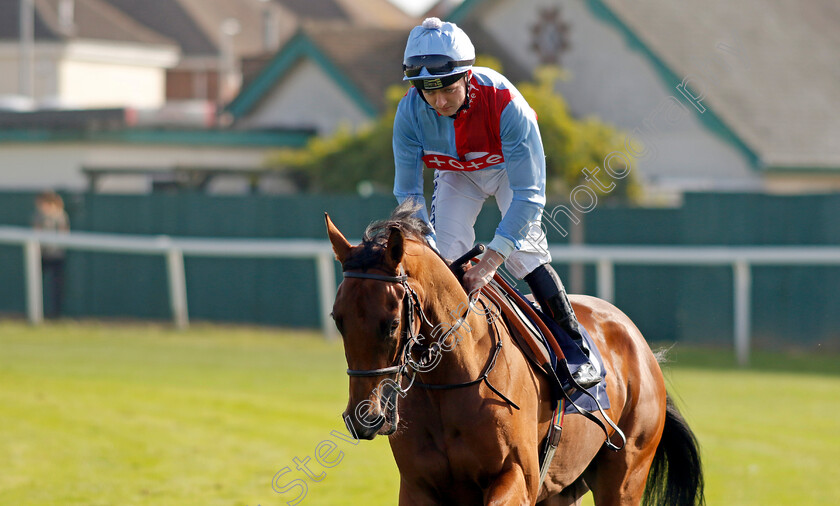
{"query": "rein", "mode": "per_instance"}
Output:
(484, 375)
(412, 304)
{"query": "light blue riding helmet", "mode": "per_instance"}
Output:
(437, 54)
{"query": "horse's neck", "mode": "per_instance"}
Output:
(464, 328)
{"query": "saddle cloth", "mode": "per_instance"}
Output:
(531, 339)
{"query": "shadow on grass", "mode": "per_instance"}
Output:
(795, 362)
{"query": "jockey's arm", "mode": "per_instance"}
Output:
(408, 163)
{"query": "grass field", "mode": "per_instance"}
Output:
(95, 414)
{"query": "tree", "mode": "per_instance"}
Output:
(346, 160)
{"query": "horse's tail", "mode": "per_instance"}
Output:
(676, 474)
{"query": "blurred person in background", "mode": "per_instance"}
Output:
(50, 217)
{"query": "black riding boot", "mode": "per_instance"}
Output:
(549, 292)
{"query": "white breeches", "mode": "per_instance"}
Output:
(457, 200)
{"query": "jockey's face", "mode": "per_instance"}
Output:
(448, 100)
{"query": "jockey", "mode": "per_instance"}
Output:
(481, 137)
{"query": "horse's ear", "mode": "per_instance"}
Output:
(340, 244)
(395, 248)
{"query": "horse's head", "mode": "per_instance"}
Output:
(370, 311)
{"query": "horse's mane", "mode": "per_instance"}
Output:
(403, 217)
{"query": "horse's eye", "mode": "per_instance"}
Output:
(393, 327)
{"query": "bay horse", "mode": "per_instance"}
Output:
(478, 442)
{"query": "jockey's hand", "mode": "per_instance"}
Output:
(481, 273)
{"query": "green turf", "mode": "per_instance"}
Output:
(123, 415)
(96, 414)
(767, 437)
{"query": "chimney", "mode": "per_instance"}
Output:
(65, 16)
(271, 30)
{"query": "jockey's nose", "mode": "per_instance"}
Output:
(440, 100)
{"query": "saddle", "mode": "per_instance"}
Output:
(537, 342)
(549, 349)
(527, 334)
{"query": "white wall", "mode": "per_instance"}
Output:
(98, 74)
(94, 85)
(31, 166)
(91, 74)
(617, 83)
(307, 98)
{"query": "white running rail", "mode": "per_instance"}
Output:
(174, 250)
(740, 258)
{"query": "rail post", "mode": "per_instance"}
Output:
(606, 279)
(177, 287)
(743, 296)
(326, 293)
(34, 286)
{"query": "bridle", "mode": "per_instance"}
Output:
(412, 305)
(409, 300)
(413, 309)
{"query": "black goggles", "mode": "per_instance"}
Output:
(436, 64)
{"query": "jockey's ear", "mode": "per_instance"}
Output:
(340, 244)
(395, 249)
